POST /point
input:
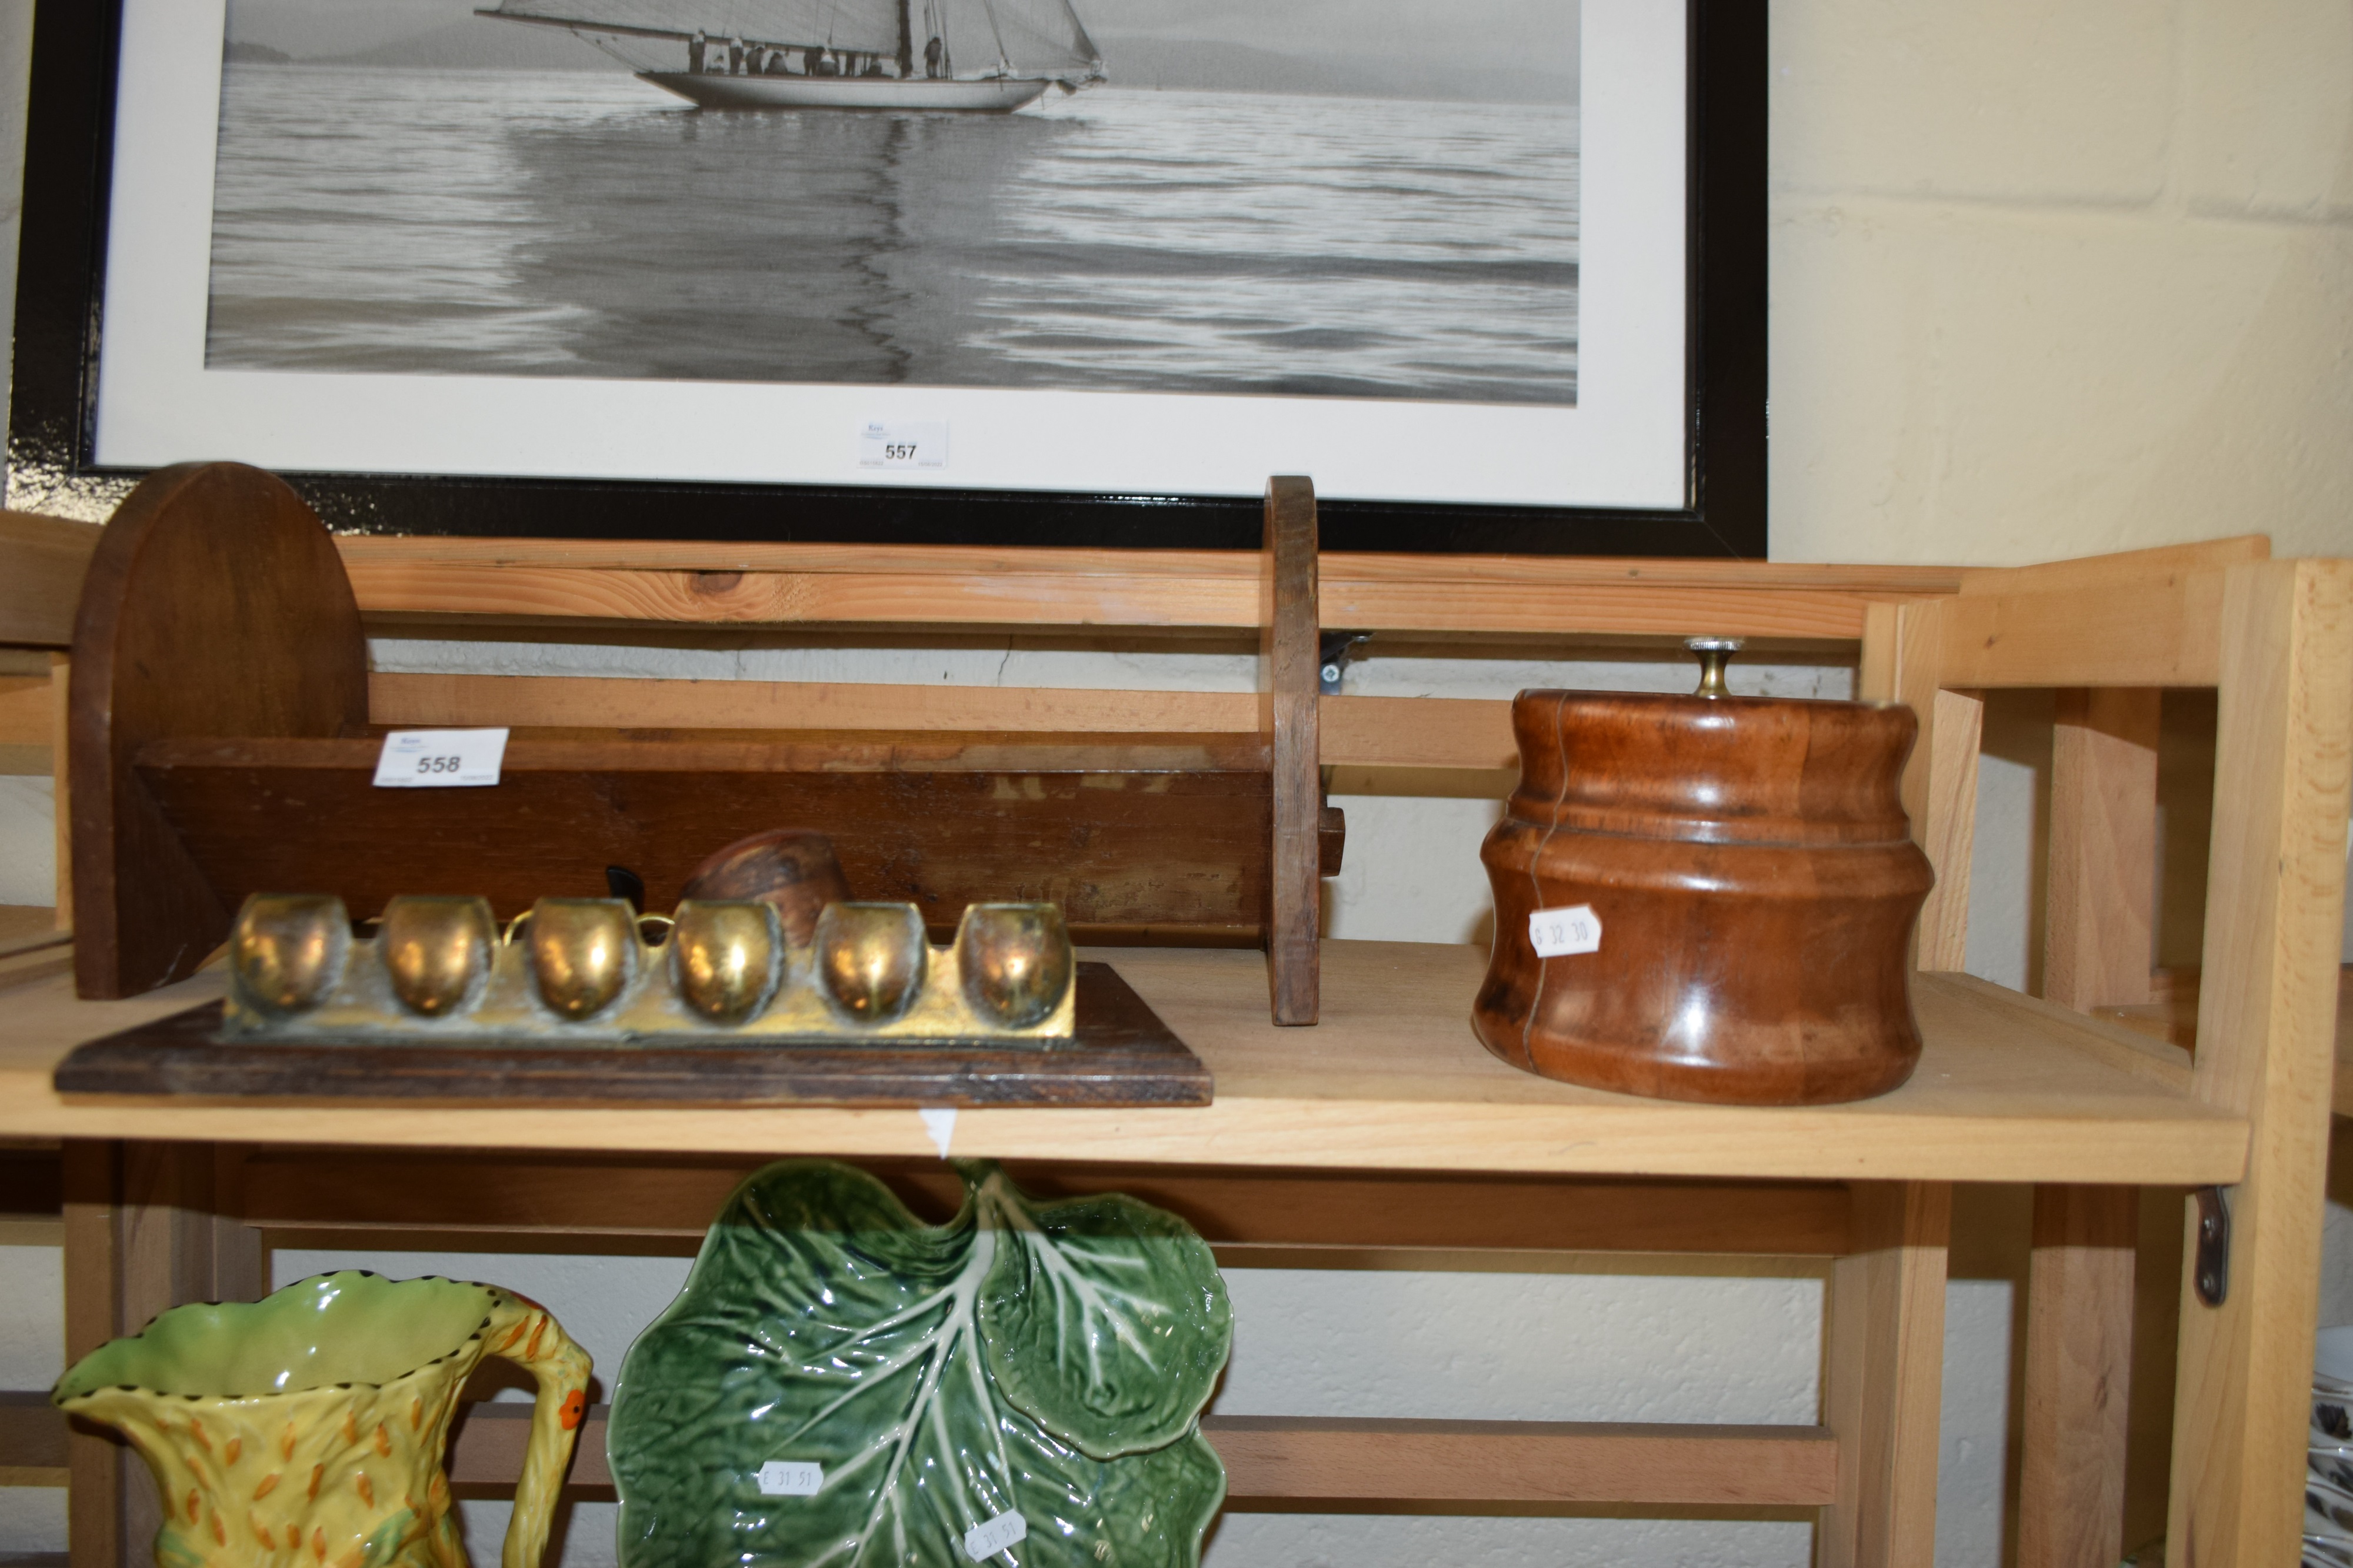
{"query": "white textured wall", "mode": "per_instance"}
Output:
(28, 845)
(2053, 279)
(32, 1355)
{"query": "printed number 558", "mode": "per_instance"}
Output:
(437, 764)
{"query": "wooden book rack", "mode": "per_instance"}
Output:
(220, 745)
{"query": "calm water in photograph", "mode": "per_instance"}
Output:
(574, 224)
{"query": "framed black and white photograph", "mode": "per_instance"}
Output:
(1009, 271)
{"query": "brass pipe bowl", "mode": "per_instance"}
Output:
(870, 958)
(288, 950)
(725, 957)
(437, 950)
(584, 954)
(1016, 960)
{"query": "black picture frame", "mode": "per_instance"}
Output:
(60, 291)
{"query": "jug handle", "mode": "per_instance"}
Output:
(526, 1333)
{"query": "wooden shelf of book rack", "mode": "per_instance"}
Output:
(1383, 1129)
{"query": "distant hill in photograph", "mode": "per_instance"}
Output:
(480, 44)
(405, 37)
(1134, 60)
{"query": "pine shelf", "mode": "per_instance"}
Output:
(1384, 1134)
(2009, 1089)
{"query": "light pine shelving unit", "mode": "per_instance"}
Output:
(1385, 1130)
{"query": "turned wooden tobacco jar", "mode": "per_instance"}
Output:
(1727, 887)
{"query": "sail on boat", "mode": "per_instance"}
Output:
(835, 54)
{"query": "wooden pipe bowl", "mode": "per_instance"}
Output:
(1750, 865)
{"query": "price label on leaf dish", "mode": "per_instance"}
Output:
(983, 1542)
(440, 759)
(903, 443)
(787, 1478)
(1556, 934)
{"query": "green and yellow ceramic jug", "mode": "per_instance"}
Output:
(305, 1430)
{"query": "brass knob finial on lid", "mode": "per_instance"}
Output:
(1715, 653)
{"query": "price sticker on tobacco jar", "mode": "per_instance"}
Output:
(1556, 934)
(440, 759)
(903, 443)
(983, 1542)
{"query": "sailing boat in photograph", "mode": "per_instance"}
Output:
(835, 54)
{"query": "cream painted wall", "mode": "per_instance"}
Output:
(2053, 279)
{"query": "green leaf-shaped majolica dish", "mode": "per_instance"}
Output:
(1048, 1360)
